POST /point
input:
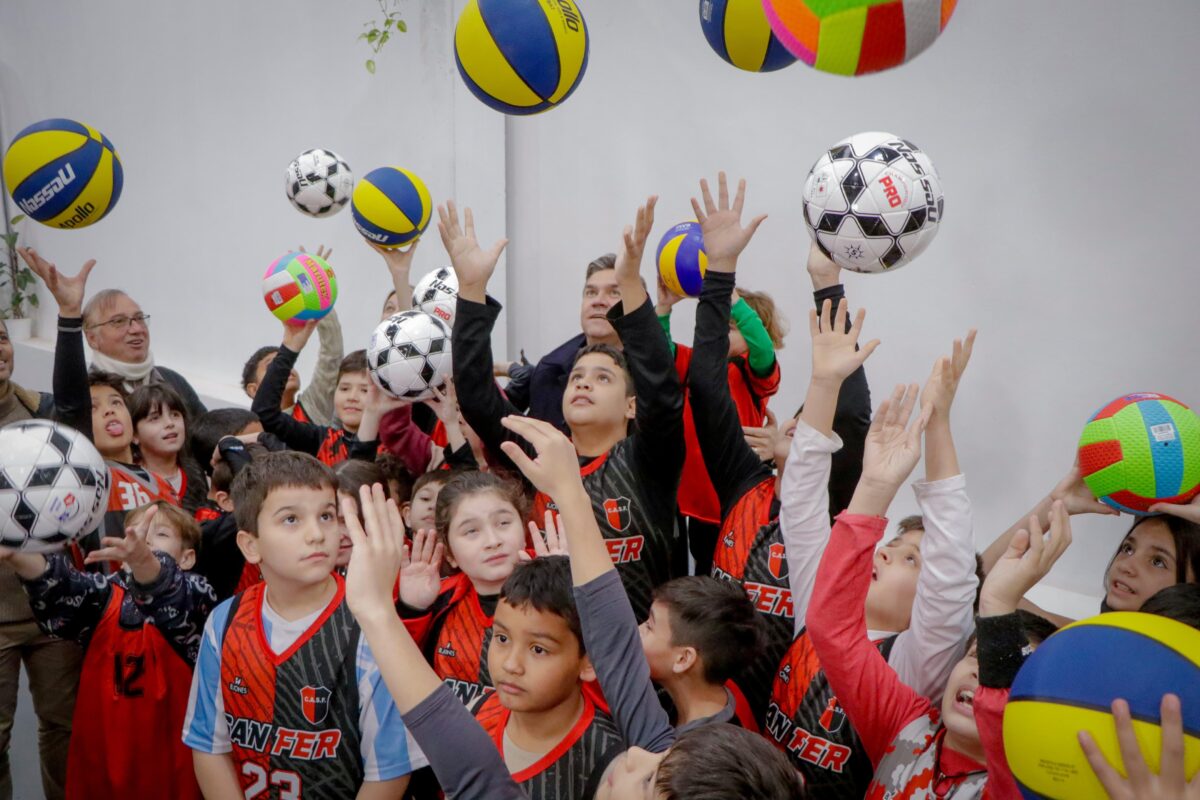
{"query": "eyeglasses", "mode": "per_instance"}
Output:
(122, 322)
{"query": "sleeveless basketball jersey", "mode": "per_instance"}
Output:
(913, 764)
(639, 530)
(750, 552)
(805, 721)
(573, 768)
(129, 709)
(333, 450)
(294, 717)
(132, 487)
(458, 646)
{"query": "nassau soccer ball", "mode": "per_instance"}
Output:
(437, 294)
(409, 355)
(873, 202)
(319, 183)
(53, 485)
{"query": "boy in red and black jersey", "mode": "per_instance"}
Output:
(632, 478)
(314, 403)
(141, 631)
(555, 740)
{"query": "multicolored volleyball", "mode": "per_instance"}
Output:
(1068, 685)
(63, 173)
(738, 31)
(521, 56)
(682, 260)
(854, 37)
(299, 287)
(1139, 450)
(391, 207)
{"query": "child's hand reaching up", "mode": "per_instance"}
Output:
(939, 391)
(1028, 559)
(835, 352)
(377, 555)
(721, 223)
(1078, 498)
(68, 291)
(553, 542)
(629, 259)
(472, 264)
(295, 336)
(893, 448)
(132, 550)
(421, 570)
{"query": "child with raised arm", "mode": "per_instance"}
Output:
(141, 632)
(632, 478)
(286, 699)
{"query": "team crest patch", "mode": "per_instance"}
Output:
(315, 701)
(833, 717)
(617, 513)
(777, 561)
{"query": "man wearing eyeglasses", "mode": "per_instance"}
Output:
(118, 333)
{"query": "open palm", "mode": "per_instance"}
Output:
(893, 445)
(472, 264)
(721, 223)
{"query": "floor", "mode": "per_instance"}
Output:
(23, 753)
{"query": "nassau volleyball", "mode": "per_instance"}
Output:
(299, 287)
(1139, 450)
(63, 173)
(738, 31)
(682, 260)
(854, 37)
(1069, 683)
(521, 56)
(391, 207)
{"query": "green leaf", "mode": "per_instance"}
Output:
(33, 300)
(371, 65)
(387, 23)
(16, 219)
(10, 239)
(401, 26)
(373, 35)
(383, 39)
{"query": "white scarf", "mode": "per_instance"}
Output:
(135, 375)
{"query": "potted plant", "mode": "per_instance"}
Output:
(20, 284)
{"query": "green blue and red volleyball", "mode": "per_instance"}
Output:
(738, 31)
(1141, 449)
(63, 173)
(391, 207)
(681, 259)
(299, 287)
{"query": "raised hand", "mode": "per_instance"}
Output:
(551, 542)
(377, 554)
(835, 352)
(665, 299)
(1028, 559)
(472, 264)
(68, 290)
(822, 269)
(629, 259)
(555, 469)
(1170, 783)
(297, 334)
(1189, 511)
(1078, 498)
(444, 402)
(721, 223)
(132, 549)
(893, 448)
(323, 252)
(421, 570)
(942, 385)
(766, 440)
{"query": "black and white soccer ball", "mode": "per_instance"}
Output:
(319, 183)
(53, 485)
(409, 354)
(437, 294)
(873, 202)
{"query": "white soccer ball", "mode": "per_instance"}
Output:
(53, 485)
(437, 294)
(409, 354)
(319, 183)
(873, 202)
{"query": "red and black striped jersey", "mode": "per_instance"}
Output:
(334, 449)
(455, 635)
(573, 768)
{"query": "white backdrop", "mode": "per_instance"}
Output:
(1061, 132)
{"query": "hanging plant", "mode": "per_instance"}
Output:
(380, 31)
(17, 278)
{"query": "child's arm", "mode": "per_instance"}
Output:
(662, 309)
(942, 613)
(760, 349)
(217, 775)
(610, 631)
(399, 264)
(876, 701)
(302, 436)
(401, 437)
(179, 602)
(67, 603)
(317, 398)
(463, 757)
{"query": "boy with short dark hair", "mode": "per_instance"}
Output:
(314, 403)
(554, 739)
(141, 631)
(286, 696)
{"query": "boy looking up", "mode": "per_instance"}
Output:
(286, 697)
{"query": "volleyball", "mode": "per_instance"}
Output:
(738, 31)
(319, 183)
(682, 260)
(63, 173)
(391, 207)
(1069, 683)
(521, 56)
(854, 37)
(1139, 450)
(299, 287)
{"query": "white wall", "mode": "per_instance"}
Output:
(1061, 131)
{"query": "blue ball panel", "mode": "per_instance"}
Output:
(1168, 456)
(522, 33)
(497, 105)
(378, 235)
(400, 191)
(714, 29)
(56, 124)
(778, 56)
(687, 265)
(83, 163)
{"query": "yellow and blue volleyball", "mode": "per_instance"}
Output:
(738, 31)
(63, 173)
(682, 260)
(299, 287)
(1139, 450)
(1069, 683)
(521, 56)
(391, 207)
